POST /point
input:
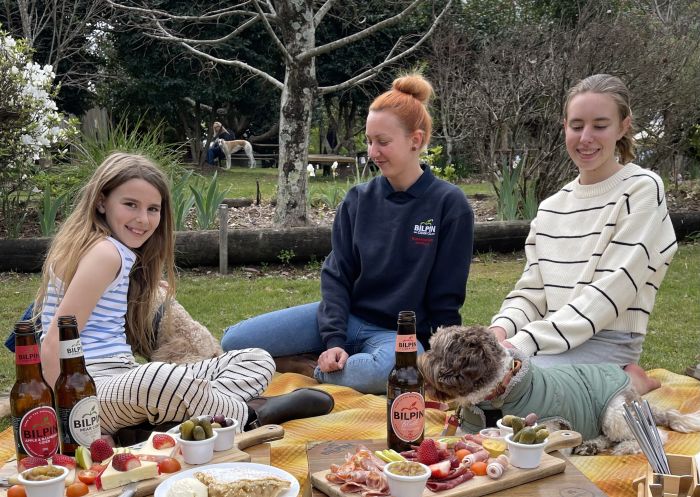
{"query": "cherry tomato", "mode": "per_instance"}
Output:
(77, 489)
(461, 453)
(87, 476)
(478, 468)
(16, 491)
(169, 465)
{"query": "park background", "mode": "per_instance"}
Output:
(80, 79)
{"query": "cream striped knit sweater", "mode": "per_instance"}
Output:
(596, 255)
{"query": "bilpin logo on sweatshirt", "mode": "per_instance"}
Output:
(424, 232)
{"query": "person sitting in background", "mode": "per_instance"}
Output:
(215, 152)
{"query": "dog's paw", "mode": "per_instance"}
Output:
(588, 448)
(626, 447)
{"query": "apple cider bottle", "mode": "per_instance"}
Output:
(76, 396)
(405, 392)
(31, 400)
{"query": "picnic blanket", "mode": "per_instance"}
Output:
(360, 416)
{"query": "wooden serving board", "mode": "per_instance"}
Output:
(479, 485)
(260, 435)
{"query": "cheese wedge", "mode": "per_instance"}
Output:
(111, 478)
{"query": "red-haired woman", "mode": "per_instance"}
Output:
(402, 241)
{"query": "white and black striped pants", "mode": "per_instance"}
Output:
(158, 392)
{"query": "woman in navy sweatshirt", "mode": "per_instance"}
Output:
(402, 241)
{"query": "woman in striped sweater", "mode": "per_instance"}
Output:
(597, 250)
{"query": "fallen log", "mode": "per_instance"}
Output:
(201, 248)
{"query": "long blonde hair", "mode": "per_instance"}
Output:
(613, 86)
(86, 227)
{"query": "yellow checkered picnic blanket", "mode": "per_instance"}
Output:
(359, 416)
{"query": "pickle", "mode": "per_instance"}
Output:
(527, 435)
(186, 430)
(541, 435)
(507, 420)
(206, 425)
(517, 424)
(198, 433)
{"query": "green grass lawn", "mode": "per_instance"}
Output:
(218, 301)
(240, 182)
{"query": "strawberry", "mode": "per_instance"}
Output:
(163, 441)
(100, 450)
(63, 460)
(125, 462)
(427, 452)
(31, 462)
(440, 470)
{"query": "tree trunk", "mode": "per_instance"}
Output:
(298, 94)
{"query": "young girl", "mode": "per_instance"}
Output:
(403, 241)
(598, 249)
(105, 267)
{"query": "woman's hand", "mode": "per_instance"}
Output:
(332, 360)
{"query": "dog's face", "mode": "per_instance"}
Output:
(464, 363)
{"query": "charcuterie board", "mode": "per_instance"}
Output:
(477, 486)
(260, 435)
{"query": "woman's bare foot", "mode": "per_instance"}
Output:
(640, 381)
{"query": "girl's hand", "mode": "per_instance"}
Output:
(332, 360)
(500, 333)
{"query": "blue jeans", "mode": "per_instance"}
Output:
(213, 154)
(295, 331)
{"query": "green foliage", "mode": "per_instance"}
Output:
(50, 206)
(434, 159)
(207, 199)
(285, 256)
(328, 196)
(512, 203)
(182, 199)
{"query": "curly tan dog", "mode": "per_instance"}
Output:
(468, 364)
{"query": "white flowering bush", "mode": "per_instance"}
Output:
(30, 125)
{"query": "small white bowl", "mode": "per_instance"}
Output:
(227, 435)
(55, 487)
(197, 451)
(493, 433)
(406, 486)
(525, 456)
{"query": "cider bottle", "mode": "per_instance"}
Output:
(31, 400)
(76, 395)
(405, 395)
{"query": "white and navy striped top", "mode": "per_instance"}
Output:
(596, 256)
(104, 333)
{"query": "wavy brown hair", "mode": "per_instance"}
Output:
(408, 100)
(616, 89)
(86, 226)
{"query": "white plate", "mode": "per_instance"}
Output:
(162, 489)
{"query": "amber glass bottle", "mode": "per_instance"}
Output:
(31, 400)
(405, 395)
(76, 396)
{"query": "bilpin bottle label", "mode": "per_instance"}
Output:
(70, 349)
(408, 416)
(82, 422)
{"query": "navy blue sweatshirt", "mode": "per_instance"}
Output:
(397, 251)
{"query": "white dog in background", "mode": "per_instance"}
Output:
(232, 146)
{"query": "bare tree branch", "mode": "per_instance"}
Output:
(321, 13)
(370, 73)
(328, 47)
(278, 43)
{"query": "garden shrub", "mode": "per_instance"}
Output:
(31, 127)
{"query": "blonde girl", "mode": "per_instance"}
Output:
(105, 266)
